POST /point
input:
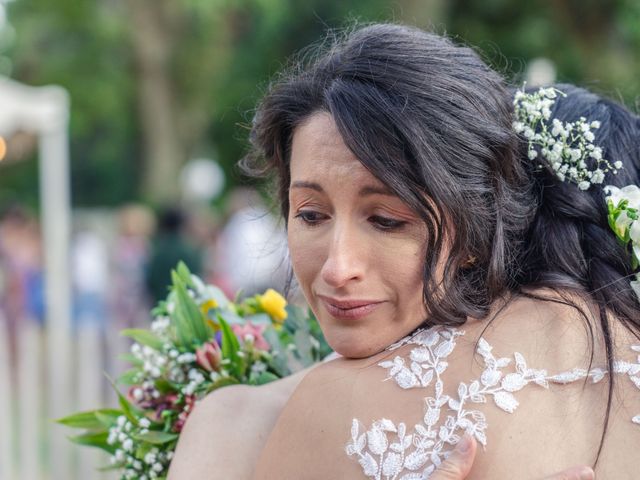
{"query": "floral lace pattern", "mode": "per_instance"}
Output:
(389, 451)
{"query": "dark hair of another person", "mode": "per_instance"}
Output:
(432, 122)
(171, 220)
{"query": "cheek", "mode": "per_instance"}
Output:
(407, 271)
(305, 257)
(402, 261)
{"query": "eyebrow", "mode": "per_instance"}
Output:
(364, 191)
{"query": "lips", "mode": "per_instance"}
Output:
(349, 309)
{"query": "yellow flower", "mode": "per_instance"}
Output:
(274, 304)
(208, 305)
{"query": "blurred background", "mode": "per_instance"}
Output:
(121, 124)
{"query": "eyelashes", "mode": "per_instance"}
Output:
(312, 218)
(387, 224)
(309, 217)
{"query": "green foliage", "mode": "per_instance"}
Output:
(156, 438)
(91, 420)
(592, 43)
(190, 326)
(223, 54)
(129, 410)
(82, 45)
(143, 337)
(199, 342)
(94, 439)
(230, 349)
(620, 217)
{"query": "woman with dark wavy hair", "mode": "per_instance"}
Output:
(460, 259)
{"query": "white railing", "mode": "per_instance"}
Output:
(26, 431)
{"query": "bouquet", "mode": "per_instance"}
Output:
(199, 341)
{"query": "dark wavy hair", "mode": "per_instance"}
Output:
(431, 121)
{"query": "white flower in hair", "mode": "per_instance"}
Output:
(623, 205)
(630, 193)
(566, 147)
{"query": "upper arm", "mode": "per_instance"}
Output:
(228, 429)
(211, 444)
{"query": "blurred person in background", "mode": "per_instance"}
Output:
(170, 245)
(130, 255)
(22, 294)
(90, 277)
(251, 249)
(203, 228)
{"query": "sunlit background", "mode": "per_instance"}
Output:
(122, 122)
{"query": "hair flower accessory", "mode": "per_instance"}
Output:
(623, 205)
(567, 147)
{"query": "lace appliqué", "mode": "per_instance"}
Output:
(388, 451)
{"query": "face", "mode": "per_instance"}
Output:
(357, 250)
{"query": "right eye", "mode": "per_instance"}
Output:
(309, 217)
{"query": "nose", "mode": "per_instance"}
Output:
(346, 258)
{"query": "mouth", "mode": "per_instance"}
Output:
(349, 309)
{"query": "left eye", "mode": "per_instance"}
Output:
(386, 223)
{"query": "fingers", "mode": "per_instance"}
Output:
(574, 473)
(459, 463)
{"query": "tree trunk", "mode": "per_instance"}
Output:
(151, 37)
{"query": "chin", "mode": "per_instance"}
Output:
(352, 346)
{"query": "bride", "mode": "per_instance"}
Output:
(466, 275)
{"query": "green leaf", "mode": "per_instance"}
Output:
(85, 420)
(143, 337)
(159, 310)
(266, 377)
(279, 353)
(191, 327)
(130, 411)
(109, 468)
(296, 318)
(231, 317)
(184, 273)
(230, 348)
(164, 386)
(130, 377)
(223, 382)
(94, 439)
(156, 438)
(258, 319)
(108, 416)
(131, 358)
(230, 344)
(304, 348)
(143, 449)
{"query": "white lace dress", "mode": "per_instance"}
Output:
(390, 451)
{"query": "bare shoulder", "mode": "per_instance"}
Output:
(551, 425)
(309, 438)
(546, 428)
(563, 331)
(227, 430)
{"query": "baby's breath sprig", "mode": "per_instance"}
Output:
(567, 147)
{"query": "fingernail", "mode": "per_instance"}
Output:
(464, 445)
(587, 474)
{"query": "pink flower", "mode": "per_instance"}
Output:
(209, 356)
(250, 333)
(189, 404)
